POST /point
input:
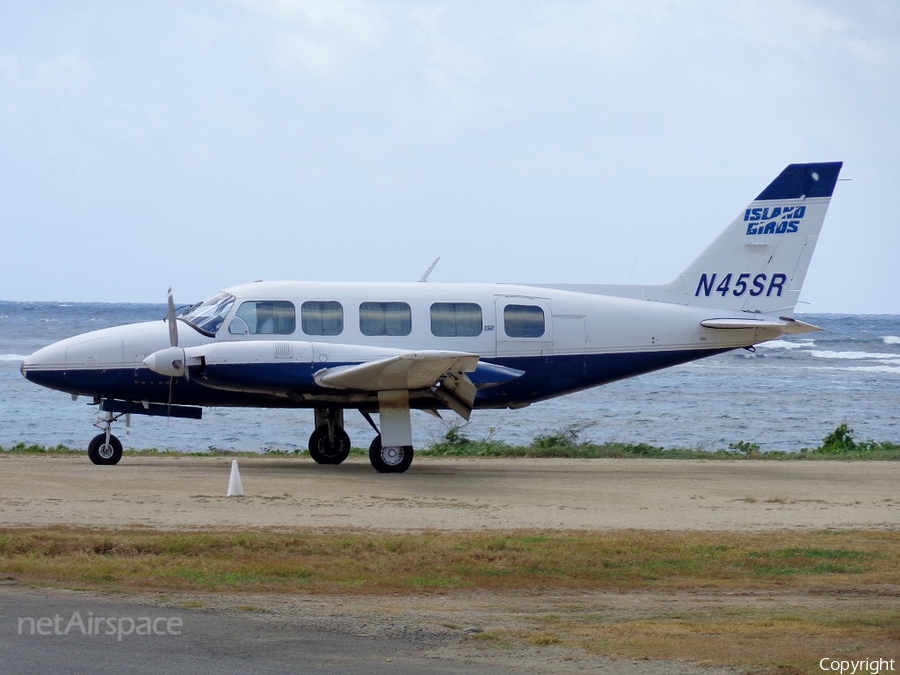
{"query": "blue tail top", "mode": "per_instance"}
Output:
(800, 181)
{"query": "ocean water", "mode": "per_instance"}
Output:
(787, 395)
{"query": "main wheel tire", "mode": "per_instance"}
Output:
(391, 459)
(325, 452)
(101, 452)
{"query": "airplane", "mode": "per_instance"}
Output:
(389, 348)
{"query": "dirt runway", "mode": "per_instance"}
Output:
(452, 494)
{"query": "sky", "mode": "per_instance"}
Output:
(201, 144)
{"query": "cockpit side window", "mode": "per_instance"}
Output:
(208, 316)
(268, 317)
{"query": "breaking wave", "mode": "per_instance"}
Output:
(851, 356)
(786, 344)
(886, 368)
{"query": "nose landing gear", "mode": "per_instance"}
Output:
(105, 448)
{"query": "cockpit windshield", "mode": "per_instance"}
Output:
(208, 316)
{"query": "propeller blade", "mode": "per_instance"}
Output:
(169, 406)
(173, 322)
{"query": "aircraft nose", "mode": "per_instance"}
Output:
(47, 359)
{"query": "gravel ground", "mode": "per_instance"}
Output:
(452, 494)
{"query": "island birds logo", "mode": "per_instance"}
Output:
(774, 220)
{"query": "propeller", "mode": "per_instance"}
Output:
(171, 361)
(173, 322)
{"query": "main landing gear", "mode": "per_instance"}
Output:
(391, 459)
(330, 444)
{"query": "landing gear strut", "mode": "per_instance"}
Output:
(392, 450)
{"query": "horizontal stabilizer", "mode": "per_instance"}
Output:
(784, 325)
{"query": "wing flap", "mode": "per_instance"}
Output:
(457, 392)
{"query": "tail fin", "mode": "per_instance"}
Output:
(759, 262)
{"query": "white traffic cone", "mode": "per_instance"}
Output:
(235, 489)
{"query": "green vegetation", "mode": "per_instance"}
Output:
(565, 442)
(22, 449)
(309, 561)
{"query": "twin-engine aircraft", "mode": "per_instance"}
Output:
(393, 347)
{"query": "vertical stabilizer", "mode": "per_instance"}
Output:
(759, 262)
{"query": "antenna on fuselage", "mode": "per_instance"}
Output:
(424, 277)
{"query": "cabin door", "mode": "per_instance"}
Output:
(524, 326)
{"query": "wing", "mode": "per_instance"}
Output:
(446, 374)
(409, 370)
(442, 372)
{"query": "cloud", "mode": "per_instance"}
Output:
(323, 38)
(793, 25)
(615, 33)
(570, 122)
(57, 75)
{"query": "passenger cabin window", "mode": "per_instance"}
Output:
(385, 318)
(268, 317)
(456, 319)
(523, 321)
(322, 318)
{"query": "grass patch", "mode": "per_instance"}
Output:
(809, 560)
(775, 640)
(728, 631)
(351, 562)
(23, 449)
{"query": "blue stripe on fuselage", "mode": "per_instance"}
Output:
(268, 385)
(547, 377)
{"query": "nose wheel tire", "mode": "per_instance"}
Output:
(324, 451)
(392, 459)
(101, 451)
